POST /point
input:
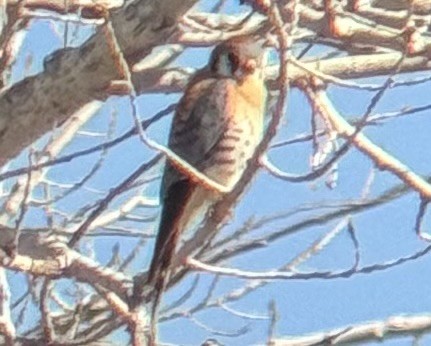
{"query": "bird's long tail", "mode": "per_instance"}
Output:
(158, 278)
(171, 227)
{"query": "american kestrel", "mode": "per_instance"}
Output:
(216, 128)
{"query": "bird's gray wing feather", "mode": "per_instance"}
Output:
(197, 128)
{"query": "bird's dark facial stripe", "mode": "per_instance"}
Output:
(221, 64)
(234, 62)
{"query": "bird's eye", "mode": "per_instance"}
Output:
(234, 61)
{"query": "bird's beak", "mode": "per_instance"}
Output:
(247, 68)
(250, 65)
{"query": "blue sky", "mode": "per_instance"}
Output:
(384, 233)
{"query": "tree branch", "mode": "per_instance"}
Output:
(381, 158)
(39, 255)
(37, 104)
(391, 327)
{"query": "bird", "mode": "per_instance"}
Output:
(216, 128)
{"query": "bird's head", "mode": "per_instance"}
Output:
(238, 57)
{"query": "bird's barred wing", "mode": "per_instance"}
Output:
(198, 127)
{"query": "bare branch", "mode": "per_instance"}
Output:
(85, 72)
(7, 327)
(381, 159)
(377, 330)
(40, 257)
(82, 229)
